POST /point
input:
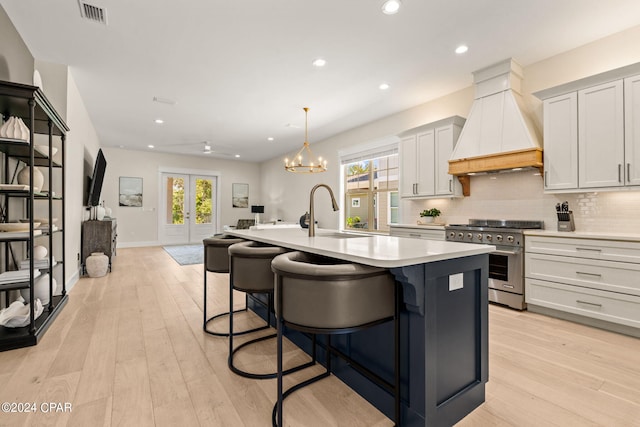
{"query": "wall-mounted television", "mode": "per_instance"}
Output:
(97, 177)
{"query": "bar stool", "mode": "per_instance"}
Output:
(250, 265)
(327, 296)
(216, 260)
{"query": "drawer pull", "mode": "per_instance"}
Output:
(589, 274)
(589, 303)
(507, 286)
(589, 249)
(414, 235)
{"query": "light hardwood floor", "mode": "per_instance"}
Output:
(128, 350)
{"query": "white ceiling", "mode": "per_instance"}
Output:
(240, 71)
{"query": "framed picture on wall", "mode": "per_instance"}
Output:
(240, 195)
(355, 202)
(130, 193)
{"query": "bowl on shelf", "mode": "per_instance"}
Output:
(16, 226)
(44, 149)
(41, 221)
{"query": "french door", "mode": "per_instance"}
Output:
(188, 210)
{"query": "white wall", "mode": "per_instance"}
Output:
(82, 141)
(16, 61)
(287, 195)
(512, 195)
(139, 226)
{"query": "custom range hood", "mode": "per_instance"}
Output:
(497, 135)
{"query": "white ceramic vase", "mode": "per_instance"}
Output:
(41, 289)
(24, 179)
(39, 252)
(97, 264)
(427, 219)
(14, 128)
(100, 213)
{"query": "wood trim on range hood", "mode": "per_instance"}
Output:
(462, 168)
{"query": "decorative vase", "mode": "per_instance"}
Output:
(39, 252)
(40, 289)
(100, 213)
(14, 128)
(107, 212)
(38, 178)
(97, 264)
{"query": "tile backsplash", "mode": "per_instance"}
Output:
(520, 195)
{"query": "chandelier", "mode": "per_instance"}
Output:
(302, 161)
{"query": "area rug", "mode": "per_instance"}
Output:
(186, 254)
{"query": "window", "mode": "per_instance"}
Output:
(371, 193)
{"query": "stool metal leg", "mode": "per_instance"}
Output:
(233, 351)
(276, 416)
(206, 320)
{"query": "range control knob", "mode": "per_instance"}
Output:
(510, 239)
(499, 238)
(470, 236)
(479, 236)
(452, 234)
(460, 235)
(488, 237)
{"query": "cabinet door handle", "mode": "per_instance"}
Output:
(450, 186)
(589, 274)
(619, 173)
(546, 178)
(589, 303)
(589, 249)
(629, 172)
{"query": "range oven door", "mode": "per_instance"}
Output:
(505, 270)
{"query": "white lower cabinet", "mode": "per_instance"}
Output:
(590, 278)
(607, 306)
(418, 233)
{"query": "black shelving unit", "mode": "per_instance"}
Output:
(31, 105)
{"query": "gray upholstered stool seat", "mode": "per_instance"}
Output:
(216, 260)
(328, 296)
(250, 264)
(216, 252)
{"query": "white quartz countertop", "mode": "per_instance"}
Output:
(376, 250)
(598, 235)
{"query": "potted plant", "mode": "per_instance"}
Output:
(351, 221)
(429, 215)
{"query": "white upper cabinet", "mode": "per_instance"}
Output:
(408, 166)
(592, 132)
(445, 141)
(601, 135)
(561, 142)
(424, 160)
(632, 130)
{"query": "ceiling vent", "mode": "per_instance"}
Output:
(93, 13)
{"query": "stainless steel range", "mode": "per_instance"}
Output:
(506, 272)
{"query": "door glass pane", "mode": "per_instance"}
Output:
(203, 201)
(175, 200)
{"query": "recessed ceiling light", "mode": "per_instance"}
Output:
(391, 7)
(150, 146)
(462, 49)
(270, 138)
(319, 62)
(159, 121)
(237, 155)
(384, 86)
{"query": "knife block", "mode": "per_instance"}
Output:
(565, 221)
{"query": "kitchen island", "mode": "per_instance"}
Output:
(444, 333)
